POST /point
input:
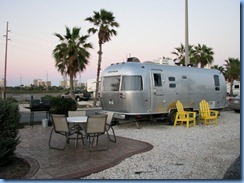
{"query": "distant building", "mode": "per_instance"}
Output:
(48, 83)
(66, 83)
(35, 82)
(63, 84)
(39, 82)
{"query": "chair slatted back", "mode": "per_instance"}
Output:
(60, 123)
(180, 109)
(76, 113)
(96, 123)
(204, 108)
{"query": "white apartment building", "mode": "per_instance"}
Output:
(66, 83)
(39, 82)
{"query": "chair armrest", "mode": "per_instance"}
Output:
(188, 114)
(191, 114)
(214, 113)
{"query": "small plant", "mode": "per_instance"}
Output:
(9, 129)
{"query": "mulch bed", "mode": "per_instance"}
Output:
(17, 169)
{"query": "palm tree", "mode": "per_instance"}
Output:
(104, 23)
(180, 53)
(203, 55)
(232, 71)
(71, 54)
(220, 68)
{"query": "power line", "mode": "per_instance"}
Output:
(33, 52)
(32, 37)
(30, 43)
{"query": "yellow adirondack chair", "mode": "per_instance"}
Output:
(183, 116)
(207, 116)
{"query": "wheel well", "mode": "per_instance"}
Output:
(188, 109)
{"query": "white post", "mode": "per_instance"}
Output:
(186, 34)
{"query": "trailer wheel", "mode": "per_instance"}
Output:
(171, 116)
(77, 99)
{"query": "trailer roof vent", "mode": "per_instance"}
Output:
(133, 59)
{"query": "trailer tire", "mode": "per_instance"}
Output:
(171, 116)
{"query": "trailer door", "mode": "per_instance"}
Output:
(157, 92)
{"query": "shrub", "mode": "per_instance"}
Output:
(47, 97)
(61, 105)
(9, 129)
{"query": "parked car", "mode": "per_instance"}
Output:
(79, 95)
(234, 103)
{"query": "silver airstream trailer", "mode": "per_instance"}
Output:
(142, 89)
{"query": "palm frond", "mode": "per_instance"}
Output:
(59, 36)
(92, 30)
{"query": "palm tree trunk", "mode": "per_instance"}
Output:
(231, 86)
(71, 86)
(202, 64)
(98, 73)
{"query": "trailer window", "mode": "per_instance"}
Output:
(172, 85)
(184, 77)
(171, 78)
(216, 82)
(157, 79)
(131, 83)
(111, 83)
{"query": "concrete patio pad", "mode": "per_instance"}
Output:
(73, 162)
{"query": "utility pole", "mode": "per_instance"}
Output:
(186, 34)
(6, 58)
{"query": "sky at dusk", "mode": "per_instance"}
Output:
(148, 30)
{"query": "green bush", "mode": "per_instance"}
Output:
(9, 129)
(61, 105)
(47, 97)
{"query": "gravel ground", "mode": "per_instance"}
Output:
(200, 152)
